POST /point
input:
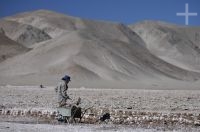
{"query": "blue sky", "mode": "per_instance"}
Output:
(124, 11)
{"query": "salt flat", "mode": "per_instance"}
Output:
(33, 97)
(134, 99)
(10, 127)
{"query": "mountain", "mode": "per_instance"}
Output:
(177, 45)
(24, 34)
(9, 48)
(91, 52)
(52, 23)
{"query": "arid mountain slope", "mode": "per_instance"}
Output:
(53, 23)
(9, 48)
(175, 44)
(24, 34)
(89, 51)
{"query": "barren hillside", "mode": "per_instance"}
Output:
(89, 51)
(24, 34)
(9, 48)
(175, 44)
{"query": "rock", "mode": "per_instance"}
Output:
(32, 35)
(2, 31)
(197, 123)
(129, 108)
(2, 107)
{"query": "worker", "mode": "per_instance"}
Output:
(61, 90)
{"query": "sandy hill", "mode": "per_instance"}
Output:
(9, 48)
(89, 51)
(175, 44)
(24, 34)
(53, 23)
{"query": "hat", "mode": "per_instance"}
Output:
(66, 78)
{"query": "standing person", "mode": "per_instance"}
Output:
(61, 90)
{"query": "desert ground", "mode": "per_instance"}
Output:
(11, 127)
(135, 99)
(180, 106)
